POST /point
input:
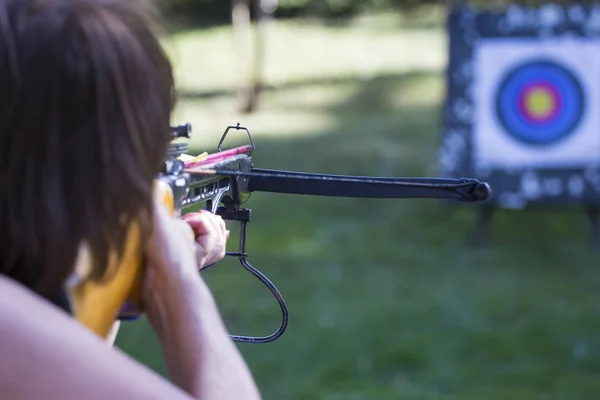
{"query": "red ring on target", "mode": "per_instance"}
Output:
(540, 102)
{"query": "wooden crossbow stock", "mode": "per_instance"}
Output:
(223, 182)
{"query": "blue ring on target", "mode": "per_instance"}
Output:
(540, 102)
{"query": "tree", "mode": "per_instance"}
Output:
(250, 48)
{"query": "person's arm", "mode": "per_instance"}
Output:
(200, 356)
(46, 354)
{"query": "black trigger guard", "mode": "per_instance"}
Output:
(242, 215)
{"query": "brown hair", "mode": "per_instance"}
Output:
(86, 93)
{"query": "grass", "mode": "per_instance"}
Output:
(386, 301)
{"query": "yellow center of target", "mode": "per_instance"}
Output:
(539, 102)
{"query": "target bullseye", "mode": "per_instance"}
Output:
(539, 102)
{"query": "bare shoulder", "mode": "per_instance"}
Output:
(46, 354)
(13, 297)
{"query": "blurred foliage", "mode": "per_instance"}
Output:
(219, 11)
(335, 8)
(215, 12)
(495, 4)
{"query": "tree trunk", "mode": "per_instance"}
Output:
(250, 48)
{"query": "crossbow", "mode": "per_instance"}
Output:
(223, 182)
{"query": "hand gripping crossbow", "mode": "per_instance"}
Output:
(223, 182)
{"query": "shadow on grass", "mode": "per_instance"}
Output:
(374, 86)
(385, 300)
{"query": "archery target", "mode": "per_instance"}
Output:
(533, 103)
(539, 102)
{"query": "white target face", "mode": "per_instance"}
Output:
(537, 103)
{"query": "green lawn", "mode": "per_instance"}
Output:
(386, 301)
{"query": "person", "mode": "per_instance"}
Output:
(86, 95)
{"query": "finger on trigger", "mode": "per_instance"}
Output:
(194, 218)
(198, 222)
(215, 221)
